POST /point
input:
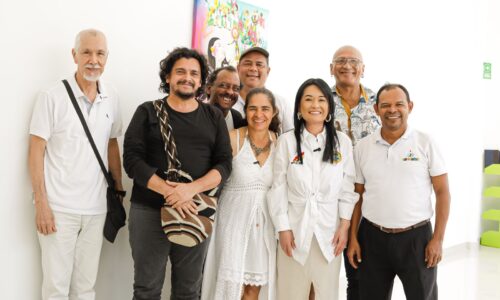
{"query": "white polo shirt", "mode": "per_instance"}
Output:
(397, 177)
(309, 198)
(284, 115)
(73, 179)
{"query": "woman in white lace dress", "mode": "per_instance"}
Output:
(241, 259)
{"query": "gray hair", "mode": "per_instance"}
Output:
(90, 31)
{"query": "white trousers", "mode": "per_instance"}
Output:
(70, 256)
(294, 279)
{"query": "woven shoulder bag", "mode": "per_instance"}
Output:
(194, 229)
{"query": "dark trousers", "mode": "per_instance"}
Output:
(386, 255)
(151, 250)
(352, 279)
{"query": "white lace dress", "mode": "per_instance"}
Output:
(242, 249)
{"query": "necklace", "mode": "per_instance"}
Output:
(259, 150)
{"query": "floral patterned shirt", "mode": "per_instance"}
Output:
(364, 120)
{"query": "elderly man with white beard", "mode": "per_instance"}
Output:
(69, 188)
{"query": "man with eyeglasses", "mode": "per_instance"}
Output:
(223, 87)
(354, 115)
(253, 69)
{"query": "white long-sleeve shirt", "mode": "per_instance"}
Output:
(310, 198)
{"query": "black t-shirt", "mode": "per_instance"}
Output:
(202, 144)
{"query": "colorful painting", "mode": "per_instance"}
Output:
(223, 29)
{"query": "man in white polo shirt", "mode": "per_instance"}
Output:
(397, 168)
(68, 185)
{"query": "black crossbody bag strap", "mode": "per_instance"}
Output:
(108, 177)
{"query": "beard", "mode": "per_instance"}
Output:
(94, 78)
(184, 96)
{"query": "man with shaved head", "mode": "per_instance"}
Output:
(354, 115)
(69, 188)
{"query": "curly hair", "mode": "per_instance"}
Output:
(168, 62)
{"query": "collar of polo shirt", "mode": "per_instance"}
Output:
(380, 140)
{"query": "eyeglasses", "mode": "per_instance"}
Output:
(226, 86)
(354, 62)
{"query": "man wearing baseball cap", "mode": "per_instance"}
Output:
(253, 69)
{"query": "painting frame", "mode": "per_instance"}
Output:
(223, 29)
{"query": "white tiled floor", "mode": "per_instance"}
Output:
(467, 272)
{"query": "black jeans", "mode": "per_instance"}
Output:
(386, 255)
(352, 291)
(150, 251)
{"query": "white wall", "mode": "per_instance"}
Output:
(37, 37)
(435, 48)
(432, 47)
(490, 49)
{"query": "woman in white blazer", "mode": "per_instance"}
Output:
(312, 197)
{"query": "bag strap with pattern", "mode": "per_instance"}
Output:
(166, 134)
(173, 163)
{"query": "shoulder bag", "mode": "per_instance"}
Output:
(194, 229)
(116, 216)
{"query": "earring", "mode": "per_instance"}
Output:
(299, 116)
(329, 118)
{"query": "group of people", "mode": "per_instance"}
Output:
(340, 173)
